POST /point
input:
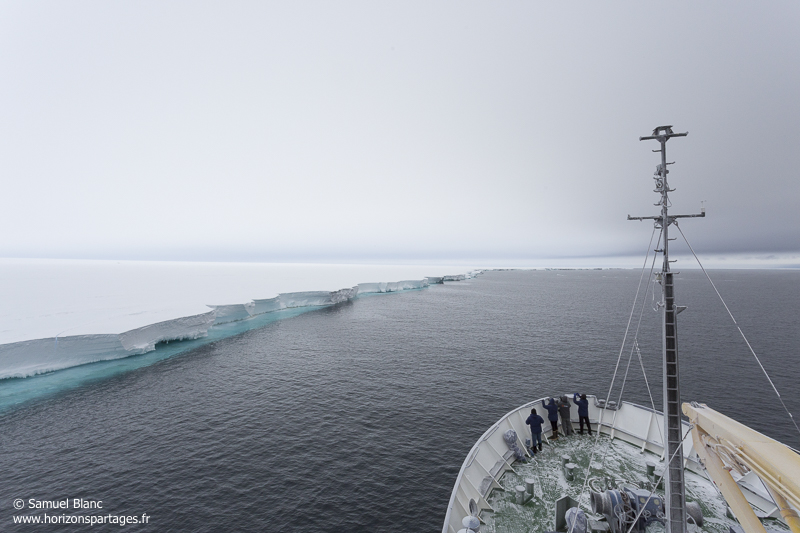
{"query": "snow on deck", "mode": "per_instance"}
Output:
(613, 459)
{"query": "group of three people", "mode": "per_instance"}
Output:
(554, 409)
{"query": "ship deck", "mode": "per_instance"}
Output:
(615, 459)
(630, 438)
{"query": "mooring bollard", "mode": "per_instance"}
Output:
(565, 459)
(570, 471)
(651, 469)
(529, 481)
(520, 495)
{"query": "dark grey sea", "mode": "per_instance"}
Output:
(357, 417)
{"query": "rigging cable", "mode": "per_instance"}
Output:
(636, 341)
(636, 337)
(740, 329)
(652, 403)
(636, 347)
(616, 368)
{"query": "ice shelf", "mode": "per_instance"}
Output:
(55, 314)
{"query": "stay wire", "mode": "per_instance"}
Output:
(740, 330)
(636, 338)
(652, 403)
(616, 369)
(635, 345)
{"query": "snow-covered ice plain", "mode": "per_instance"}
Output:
(55, 314)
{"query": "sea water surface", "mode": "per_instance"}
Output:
(357, 417)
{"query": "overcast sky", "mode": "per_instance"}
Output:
(385, 131)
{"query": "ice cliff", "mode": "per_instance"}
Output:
(28, 358)
(98, 338)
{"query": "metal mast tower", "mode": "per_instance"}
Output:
(673, 447)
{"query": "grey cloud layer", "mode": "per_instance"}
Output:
(348, 130)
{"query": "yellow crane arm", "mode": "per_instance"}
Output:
(724, 444)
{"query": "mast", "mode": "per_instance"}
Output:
(673, 447)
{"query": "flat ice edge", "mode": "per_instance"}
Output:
(37, 356)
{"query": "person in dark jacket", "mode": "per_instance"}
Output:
(563, 411)
(535, 422)
(583, 411)
(552, 415)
